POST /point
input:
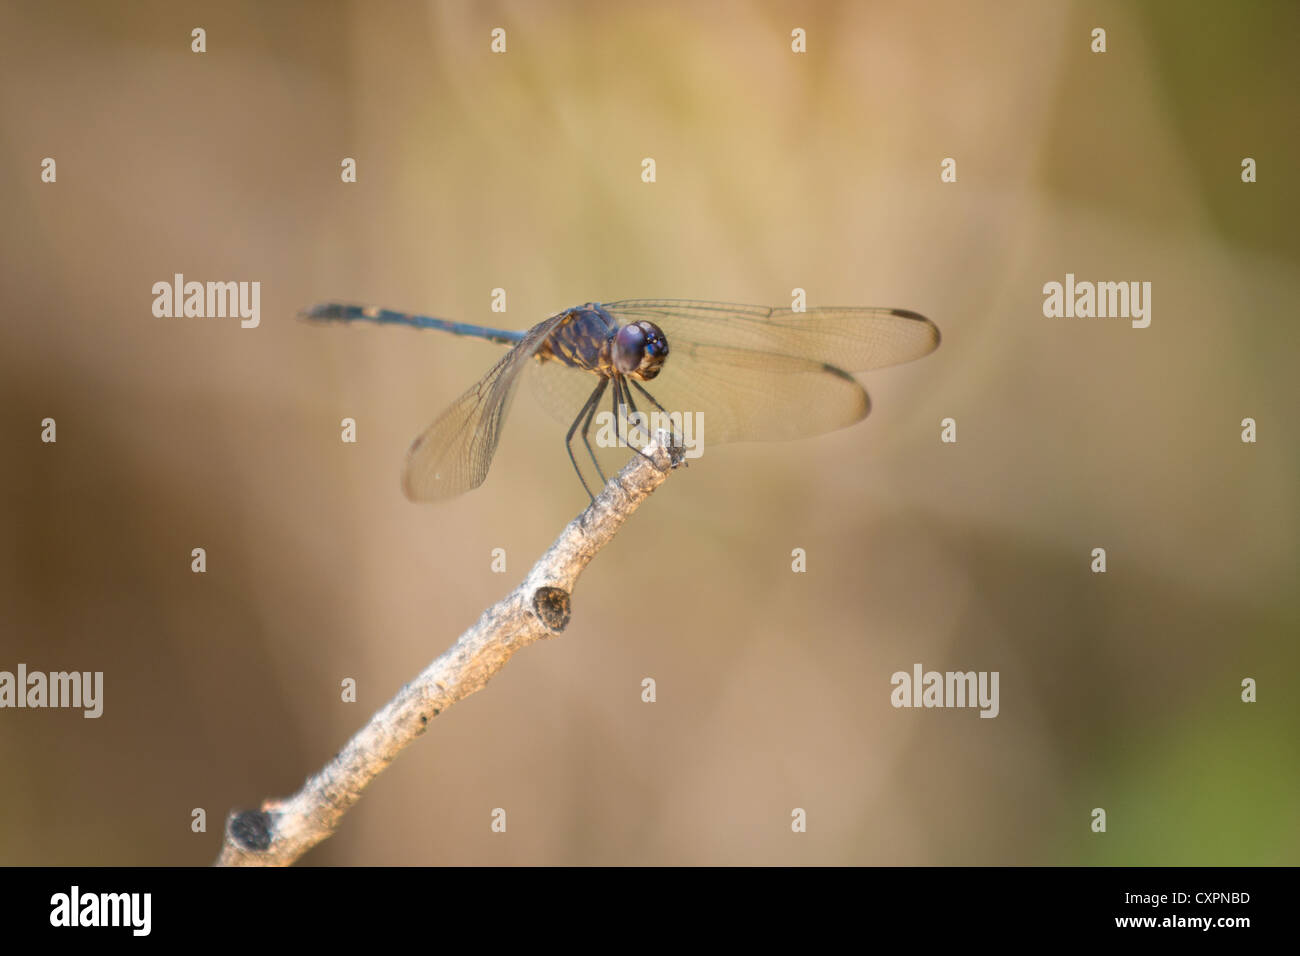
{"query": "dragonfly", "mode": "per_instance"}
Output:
(743, 372)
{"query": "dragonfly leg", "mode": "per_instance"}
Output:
(631, 404)
(622, 396)
(587, 410)
(677, 439)
(586, 430)
(617, 399)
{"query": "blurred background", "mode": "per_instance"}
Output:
(774, 171)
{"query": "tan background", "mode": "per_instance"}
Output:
(775, 171)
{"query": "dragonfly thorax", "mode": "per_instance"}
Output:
(639, 350)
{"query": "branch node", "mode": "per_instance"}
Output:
(552, 607)
(251, 829)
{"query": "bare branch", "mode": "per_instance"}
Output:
(283, 830)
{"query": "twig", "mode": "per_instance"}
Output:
(283, 830)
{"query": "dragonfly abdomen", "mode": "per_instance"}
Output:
(344, 312)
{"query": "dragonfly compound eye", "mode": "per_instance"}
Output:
(640, 349)
(629, 348)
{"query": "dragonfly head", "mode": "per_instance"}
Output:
(639, 350)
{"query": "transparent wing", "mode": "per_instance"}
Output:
(454, 454)
(722, 395)
(853, 339)
(751, 373)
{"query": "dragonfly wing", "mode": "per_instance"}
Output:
(853, 339)
(729, 395)
(753, 373)
(453, 454)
